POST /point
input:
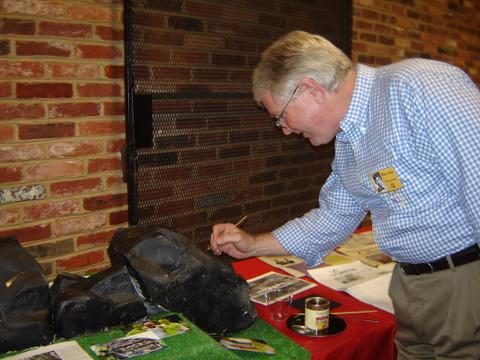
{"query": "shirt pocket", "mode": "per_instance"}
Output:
(424, 186)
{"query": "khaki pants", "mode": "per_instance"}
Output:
(438, 314)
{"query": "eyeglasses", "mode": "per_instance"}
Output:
(278, 119)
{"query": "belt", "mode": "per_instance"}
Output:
(462, 257)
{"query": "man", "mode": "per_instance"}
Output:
(407, 150)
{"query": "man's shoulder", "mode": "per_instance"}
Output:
(414, 69)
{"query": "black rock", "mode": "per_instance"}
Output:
(177, 275)
(82, 305)
(24, 299)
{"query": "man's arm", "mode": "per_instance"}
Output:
(229, 239)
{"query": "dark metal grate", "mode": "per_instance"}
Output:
(198, 149)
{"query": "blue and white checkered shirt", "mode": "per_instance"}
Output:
(421, 118)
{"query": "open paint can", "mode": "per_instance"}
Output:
(317, 312)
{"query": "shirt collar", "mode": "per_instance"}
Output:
(353, 124)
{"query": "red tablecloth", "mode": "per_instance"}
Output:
(359, 341)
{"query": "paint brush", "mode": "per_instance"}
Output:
(352, 312)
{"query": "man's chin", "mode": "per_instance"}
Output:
(314, 142)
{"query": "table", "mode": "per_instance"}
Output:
(360, 340)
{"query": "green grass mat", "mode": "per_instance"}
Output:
(285, 348)
(196, 344)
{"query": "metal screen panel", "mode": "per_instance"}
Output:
(199, 151)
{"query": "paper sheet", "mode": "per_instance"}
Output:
(374, 292)
(366, 283)
(68, 350)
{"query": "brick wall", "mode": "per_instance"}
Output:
(215, 155)
(62, 112)
(61, 128)
(448, 30)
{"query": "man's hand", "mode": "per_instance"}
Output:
(229, 239)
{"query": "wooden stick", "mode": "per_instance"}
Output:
(366, 320)
(352, 312)
(239, 222)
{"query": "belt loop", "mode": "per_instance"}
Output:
(450, 262)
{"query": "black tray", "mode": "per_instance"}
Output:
(296, 323)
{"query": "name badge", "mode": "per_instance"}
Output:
(385, 180)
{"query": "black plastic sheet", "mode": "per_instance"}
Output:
(24, 299)
(177, 275)
(108, 298)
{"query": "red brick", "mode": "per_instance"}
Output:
(44, 90)
(52, 210)
(73, 110)
(17, 27)
(28, 234)
(80, 261)
(25, 69)
(166, 191)
(113, 108)
(79, 224)
(5, 89)
(60, 70)
(20, 153)
(370, 14)
(50, 48)
(190, 219)
(155, 36)
(76, 187)
(109, 33)
(9, 216)
(359, 47)
(118, 217)
(92, 240)
(29, 132)
(99, 90)
(199, 9)
(98, 52)
(21, 111)
(363, 25)
(115, 145)
(157, 54)
(114, 182)
(106, 164)
(87, 12)
(101, 127)
(110, 1)
(65, 29)
(196, 155)
(114, 71)
(75, 148)
(51, 170)
(368, 37)
(170, 73)
(173, 174)
(10, 174)
(29, 7)
(243, 76)
(104, 202)
(7, 132)
(190, 57)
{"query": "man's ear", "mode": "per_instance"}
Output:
(317, 91)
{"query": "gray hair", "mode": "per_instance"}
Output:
(295, 56)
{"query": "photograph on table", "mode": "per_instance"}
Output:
(267, 283)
